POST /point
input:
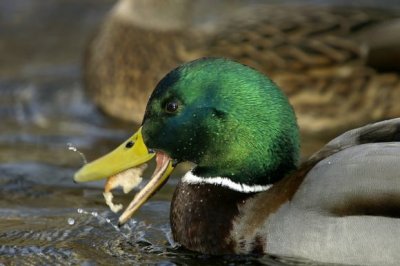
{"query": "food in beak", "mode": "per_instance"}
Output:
(127, 180)
(160, 176)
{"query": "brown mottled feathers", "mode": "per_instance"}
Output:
(326, 59)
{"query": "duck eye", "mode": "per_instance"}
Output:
(171, 107)
(129, 144)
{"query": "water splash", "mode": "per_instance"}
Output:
(101, 219)
(168, 234)
(71, 147)
(71, 221)
(137, 233)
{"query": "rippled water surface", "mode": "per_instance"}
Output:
(44, 217)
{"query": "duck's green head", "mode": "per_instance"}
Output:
(227, 118)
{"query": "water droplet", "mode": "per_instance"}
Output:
(71, 221)
(80, 210)
(71, 147)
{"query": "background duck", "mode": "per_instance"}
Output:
(247, 193)
(338, 65)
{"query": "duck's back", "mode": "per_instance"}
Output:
(346, 209)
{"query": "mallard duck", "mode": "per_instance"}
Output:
(338, 65)
(247, 193)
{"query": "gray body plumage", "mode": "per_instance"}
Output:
(346, 210)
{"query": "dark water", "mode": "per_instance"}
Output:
(44, 217)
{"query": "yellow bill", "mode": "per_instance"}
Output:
(132, 153)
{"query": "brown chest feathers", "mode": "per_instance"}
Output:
(202, 216)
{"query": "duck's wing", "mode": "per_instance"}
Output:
(282, 39)
(347, 209)
(384, 131)
(358, 173)
(341, 206)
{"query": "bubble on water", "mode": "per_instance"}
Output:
(80, 210)
(71, 147)
(94, 214)
(71, 221)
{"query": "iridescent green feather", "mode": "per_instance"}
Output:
(232, 122)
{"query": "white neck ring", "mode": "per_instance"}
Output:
(191, 178)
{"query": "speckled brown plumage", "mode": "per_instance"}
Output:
(326, 59)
